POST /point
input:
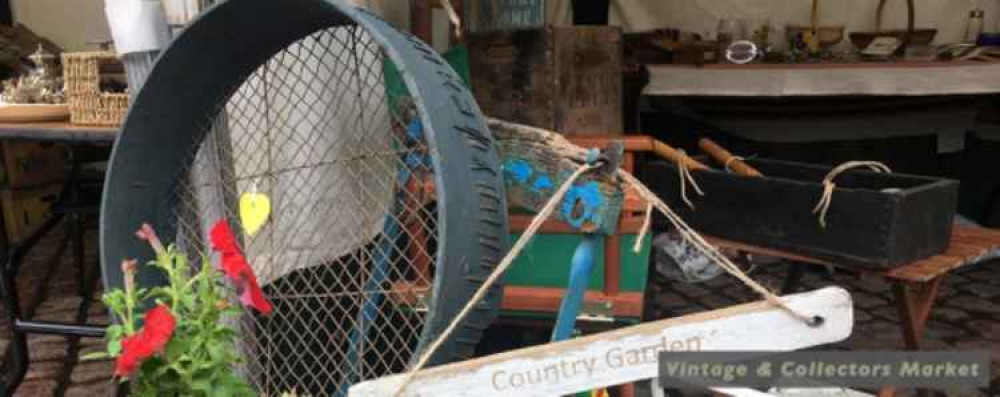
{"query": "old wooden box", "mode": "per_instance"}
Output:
(25, 209)
(32, 163)
(566, 79)
(875, 221)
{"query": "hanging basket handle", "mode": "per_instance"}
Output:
(910, 18)
(815, 18)
(878, 15)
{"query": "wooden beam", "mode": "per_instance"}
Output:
(547, 300)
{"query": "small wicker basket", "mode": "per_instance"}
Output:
(82, 79)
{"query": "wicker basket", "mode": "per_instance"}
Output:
(87, 104)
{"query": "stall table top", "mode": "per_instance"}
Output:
(969, 245)
(826, 79)
(59, 132)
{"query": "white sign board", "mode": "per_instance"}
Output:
(629, 354)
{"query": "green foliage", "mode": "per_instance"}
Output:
(199, 359)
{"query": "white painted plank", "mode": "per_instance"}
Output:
(629, 354)
(817, 392)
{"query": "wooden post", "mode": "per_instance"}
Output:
(612, 264)
(727, 159)
(421, 21)
(459, 6)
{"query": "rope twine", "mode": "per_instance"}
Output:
(685, 176)
(828, 186)
(507, 261)
(647, 220)
(730, 160)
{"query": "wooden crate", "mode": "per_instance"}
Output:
(25, 209)
(566, 79)
(493, 15)
(32, 163)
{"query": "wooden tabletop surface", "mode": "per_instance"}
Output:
(968, 245)
(59, 132)
(836, 65)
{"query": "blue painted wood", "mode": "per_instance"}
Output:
(591, 204)
(579, 274)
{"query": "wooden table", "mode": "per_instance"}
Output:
(59, 132)
(912, 78)
(914, 285)
(17, 356)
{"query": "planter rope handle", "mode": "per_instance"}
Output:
(684, 173)
(828, 186)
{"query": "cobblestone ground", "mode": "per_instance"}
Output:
(48, 290)
(966, 316)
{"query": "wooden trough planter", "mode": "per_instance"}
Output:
(875, 220)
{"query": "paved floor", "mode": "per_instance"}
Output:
(49, 291)
(967, 315)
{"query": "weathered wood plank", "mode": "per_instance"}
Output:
(968, 245)
(536, 162)
(629, 354)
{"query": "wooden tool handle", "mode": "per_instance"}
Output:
(724, 157)
(668, 152)
(814, 16)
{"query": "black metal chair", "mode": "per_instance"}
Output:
(76, 202)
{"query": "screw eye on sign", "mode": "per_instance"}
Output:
(629, 354)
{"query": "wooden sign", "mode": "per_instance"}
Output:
(629, 354)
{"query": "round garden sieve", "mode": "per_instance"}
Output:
(386, 202)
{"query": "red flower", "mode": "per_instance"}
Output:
(235, 266)
(223, 239)
(151, 339)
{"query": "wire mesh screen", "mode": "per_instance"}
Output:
(323, 131)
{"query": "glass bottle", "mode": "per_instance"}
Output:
(974, 27)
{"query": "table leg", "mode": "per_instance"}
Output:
(792, 279)
(627, 390)
(887, 392)
(914, 308)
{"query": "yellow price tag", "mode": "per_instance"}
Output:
(255, 208)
